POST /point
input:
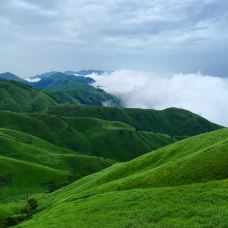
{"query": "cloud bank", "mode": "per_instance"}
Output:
(202, 94)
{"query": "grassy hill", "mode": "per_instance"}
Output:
(74, 90)
(175, 122)
(31, 165)
(57, 89)
(20, 97)
(180, 185)
(109, 139)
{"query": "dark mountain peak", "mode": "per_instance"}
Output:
(45, 75)
(10, 76)
(60, 80)
(84, 72)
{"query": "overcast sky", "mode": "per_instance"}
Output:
(168, 36)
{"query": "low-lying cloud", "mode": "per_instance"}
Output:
(202, 94)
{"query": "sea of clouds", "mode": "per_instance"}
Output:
(202, 94)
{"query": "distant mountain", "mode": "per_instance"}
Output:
(44, 75)
(58, 88)
(68, 72)
(74, 90)
(84, 72)
(10, 76)
(61, 81)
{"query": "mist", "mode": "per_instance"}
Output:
(202, 94)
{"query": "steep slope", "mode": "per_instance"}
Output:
(175, 122)
(21, 97)
(10, 76)
(30, 165)
(181, 185)
(74, 90)
(114, 140)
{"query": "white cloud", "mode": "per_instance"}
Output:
(201, 94)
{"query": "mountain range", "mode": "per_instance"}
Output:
(57, 88)
(68, 160)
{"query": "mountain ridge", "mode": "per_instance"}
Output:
(178, 123)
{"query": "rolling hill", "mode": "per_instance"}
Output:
(74, 90)
(20, 97)
(181, 185)
(109, 139)
(31, 165)
(175, 122)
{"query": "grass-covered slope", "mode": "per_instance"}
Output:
(74, 90)
(199, 205)
(197, 159)
(117, 140)
(178, 123)
(20, 97)
(31, 165)
(181, 185)
(114, 140)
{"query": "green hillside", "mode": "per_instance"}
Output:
(30, 165)
(75, 90)
(114, 140)
(199, 205)
(19, 97)
(178, 123)
(181, 185)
